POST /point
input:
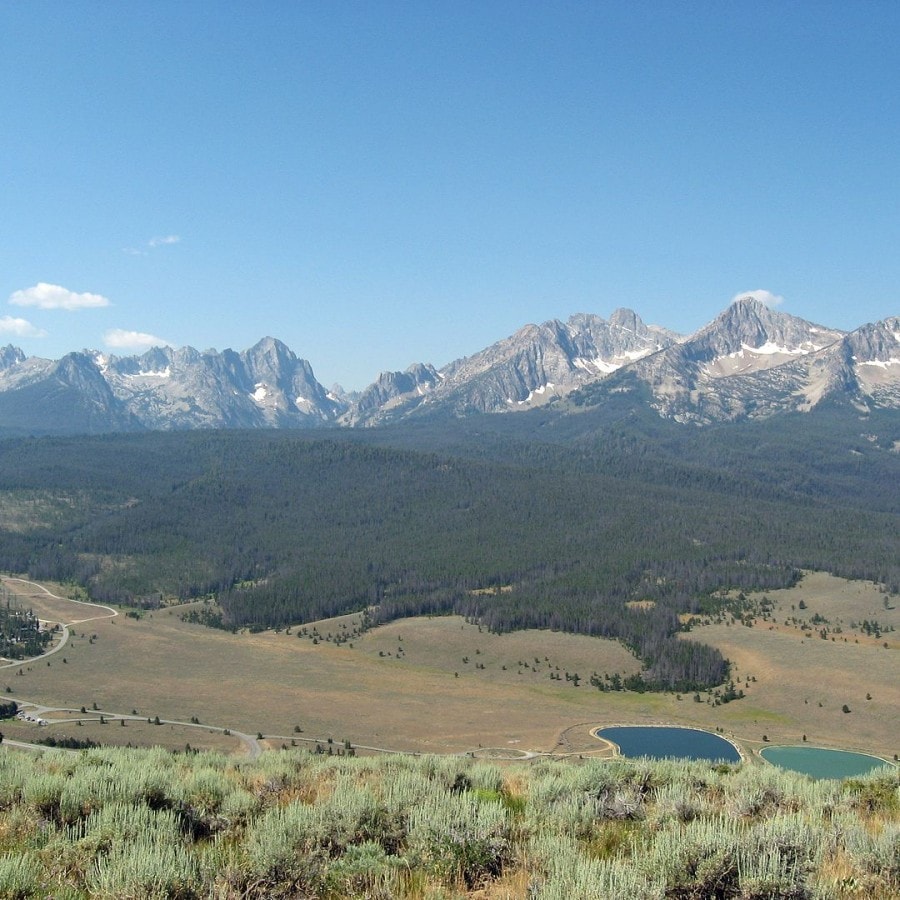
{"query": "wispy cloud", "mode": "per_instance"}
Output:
(20, 328)
(123, 339)
(163, 240)
(766, 297)
(54, 296)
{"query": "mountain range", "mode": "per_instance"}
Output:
(751, 361)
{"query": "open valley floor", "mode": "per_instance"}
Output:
(442, 685)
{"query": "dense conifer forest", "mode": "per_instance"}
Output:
(535, 520)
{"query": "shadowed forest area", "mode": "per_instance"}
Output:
(530, 521)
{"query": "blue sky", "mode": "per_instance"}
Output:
(381, 183)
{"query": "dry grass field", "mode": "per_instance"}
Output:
(803, 681)
(132, 733)
(442, 685)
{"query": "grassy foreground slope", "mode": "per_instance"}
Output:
(150, 824)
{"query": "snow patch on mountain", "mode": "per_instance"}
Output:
(771, 348)
(160, 373)
(596, 365)
(881, 363)
(537, 392)
(751, 361)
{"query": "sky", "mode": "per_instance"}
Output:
(381, 183)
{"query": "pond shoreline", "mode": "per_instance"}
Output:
(674, 740)
(822, 762)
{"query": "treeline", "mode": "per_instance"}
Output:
(670, 664)
(574, 516)
(67, 743)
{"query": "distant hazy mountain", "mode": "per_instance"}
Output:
(10, 356)
(750, 361)
(864, 366)
(718, 373)
(531, 367)
(392, 391)
(68, 396)
(265, 386)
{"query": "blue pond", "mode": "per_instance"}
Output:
(818, 762)
(661, 743)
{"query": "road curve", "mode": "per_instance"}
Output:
(250, 743)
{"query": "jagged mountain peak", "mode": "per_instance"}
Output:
(626, 318)
(750, 312)
(270, 348)
(863, 366)
(10, 356)
(750, 327)
(76, 363)
(751, 360)
(266, 385)
(876, 342)
(751, 303)
(532, 366)
(389, 391)
(154, 361)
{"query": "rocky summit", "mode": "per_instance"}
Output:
(751, 361)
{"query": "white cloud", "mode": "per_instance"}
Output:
(162, 241)
(766, 297)
(20, 328)
(53, 296)
(122, 339)
(154, 242)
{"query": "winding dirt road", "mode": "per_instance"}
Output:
(38, 710)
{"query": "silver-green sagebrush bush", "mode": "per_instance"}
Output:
(20, 875)
(152, 824)
(461, 837)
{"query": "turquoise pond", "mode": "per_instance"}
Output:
(663, 743)
(820, 763)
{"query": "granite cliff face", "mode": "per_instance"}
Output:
(747, 361)
(751, 361)
(530, 368)
(265, 386)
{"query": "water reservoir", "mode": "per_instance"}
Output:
(665, 742)
(821, 763)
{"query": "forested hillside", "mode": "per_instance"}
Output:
(573, 515)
